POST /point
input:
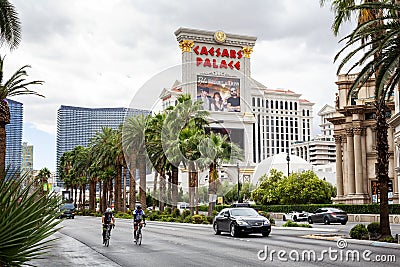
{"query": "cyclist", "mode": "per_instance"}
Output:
(107, 218)
(138, 216)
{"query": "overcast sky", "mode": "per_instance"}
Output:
(98, 53)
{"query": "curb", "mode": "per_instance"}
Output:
(354, 241)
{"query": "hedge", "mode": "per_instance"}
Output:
(350, 209)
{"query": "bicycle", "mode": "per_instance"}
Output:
(138, 240)
(106, 238)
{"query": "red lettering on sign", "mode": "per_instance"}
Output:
(225, 53)
(237, 65)
(218, 52)
(207, 63)
(230, 64)
(215, 65)
(223, 65)
(204, 51)
(232, 53)
(196, 50)
(199, 60)
(211, 51)
(239, 53)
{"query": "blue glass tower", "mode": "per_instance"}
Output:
(14, 135)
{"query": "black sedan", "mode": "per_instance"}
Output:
(327, 216)
(68, 211)
(238, 221)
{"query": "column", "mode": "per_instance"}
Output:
(344, 167)
(187, 63)
(350, 160)
(358, 160)
(339, 169)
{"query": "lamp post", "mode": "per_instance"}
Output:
(238, 174)
(288, 162)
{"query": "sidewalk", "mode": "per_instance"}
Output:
(67, 251)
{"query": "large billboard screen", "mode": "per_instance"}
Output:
(219, 93)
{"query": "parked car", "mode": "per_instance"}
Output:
(184, 206)
(68, 210)
(296, 216)
(327, 216)
(241, 220)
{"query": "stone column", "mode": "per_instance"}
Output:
(344, 167)
(358, 160)
(350, 160)
(189, 87)
(339, 169)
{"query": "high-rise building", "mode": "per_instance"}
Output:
(27, 158)
(14, 135)
(77, 125)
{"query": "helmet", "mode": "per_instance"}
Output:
(139, 207)
(108, 210)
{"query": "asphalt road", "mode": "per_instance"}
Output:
(171, 244)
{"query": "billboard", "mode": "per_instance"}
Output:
(219, 93)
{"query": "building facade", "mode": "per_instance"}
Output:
(14, 135)
(355, 139)
(27, 159)
(319, 151)
(77, 125)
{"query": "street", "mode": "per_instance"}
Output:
(172, 244)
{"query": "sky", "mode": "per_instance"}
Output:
(99, 53)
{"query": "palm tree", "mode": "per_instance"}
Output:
(10, 26)
(16, 85)
(42, 178)
(377, 32)
(133, 139)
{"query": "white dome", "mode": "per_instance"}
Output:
(279, 162)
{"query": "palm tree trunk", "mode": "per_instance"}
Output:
(142, 175)
(117, 191)
(124, 192)
(111, 192)
(196, 180)
(92, 195)
(192, 185)
(174, 184)
(104, 196)
(155, 190)
(132, 182)
(162, 191)
(383, 165)
(212, 190)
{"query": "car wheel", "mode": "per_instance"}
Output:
(294, 218)
(326, 220)
(265, 234)
(310, 220)
(216, 231)
(343, 223)
(233, 230)
(284, 218)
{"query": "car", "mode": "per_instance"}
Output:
(184, 206)
(296, 216)
(68, 211)
(241, 220)
(328, 215)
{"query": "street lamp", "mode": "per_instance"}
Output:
(288, 162)
(238, 174)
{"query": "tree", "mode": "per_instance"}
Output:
(16, 85)
(10, 26)
(267, 192)
(42, 178)
(377, 32)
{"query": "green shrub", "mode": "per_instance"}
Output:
(203, 208)
(289, 223)
(359, 232)
(176, 213)
(188, 219)
(198, 219)
(167, 210)
(374, 230)
(214, 213)
(185, 213)
(388, 239)
(350, 209)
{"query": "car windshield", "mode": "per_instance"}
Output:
(68, 206)
(243, 212)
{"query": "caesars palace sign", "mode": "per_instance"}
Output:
(218, 58)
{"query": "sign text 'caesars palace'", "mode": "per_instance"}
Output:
(232, 55)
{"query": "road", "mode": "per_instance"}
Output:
(171, 244)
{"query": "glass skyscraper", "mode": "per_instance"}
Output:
(14, 135)
(77, 125)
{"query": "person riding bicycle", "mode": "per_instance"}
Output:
(138, 216)
(107, 218)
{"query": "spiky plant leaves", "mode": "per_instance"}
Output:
(27, 219)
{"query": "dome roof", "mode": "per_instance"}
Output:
(279, 162)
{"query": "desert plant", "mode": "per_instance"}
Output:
(359, 232)
(27, 219)
(289, 223)
(374, 230)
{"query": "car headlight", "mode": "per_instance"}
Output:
(240, 222)
(266, 222)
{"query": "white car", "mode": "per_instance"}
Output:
(296, 216)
